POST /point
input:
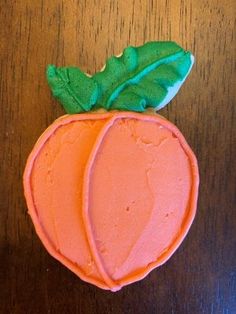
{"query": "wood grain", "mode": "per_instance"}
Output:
(201, 276)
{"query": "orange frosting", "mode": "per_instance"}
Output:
(111, 195)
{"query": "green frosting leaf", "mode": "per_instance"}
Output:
(76, 91)
(146, 76)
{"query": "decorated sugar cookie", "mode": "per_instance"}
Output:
(112, 193)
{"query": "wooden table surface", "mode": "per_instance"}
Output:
(201, 276)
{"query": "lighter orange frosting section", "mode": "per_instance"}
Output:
(139, 194)
(112, 195)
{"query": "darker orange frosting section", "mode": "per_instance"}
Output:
(111, 195)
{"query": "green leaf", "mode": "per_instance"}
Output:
(76, 91)
(146, 76)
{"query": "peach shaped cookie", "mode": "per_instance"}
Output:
(112, 195)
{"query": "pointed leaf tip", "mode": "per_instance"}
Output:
(51, 70)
